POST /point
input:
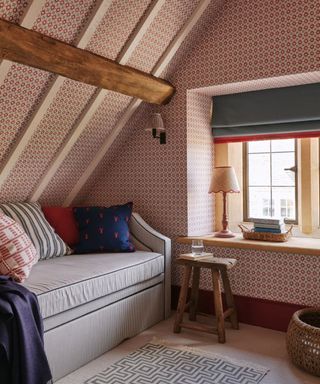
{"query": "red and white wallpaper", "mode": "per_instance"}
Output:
(163, 29)
(24, 89)
(64, 20)
(16, 110)
(14, 10)
(283, 277)
(22, 92)
(234, 42)
(200, 160)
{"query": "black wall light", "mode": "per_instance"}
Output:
(157, 128)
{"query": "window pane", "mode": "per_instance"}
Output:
(284, 202)
(271, 191)
(259, 204)
(283, 145)
(259, 146)
(280, 161)
(259, 169)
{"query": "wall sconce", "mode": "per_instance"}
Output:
(157, 128)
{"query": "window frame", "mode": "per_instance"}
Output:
(246, 217)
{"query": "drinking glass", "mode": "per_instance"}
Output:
(197, 247)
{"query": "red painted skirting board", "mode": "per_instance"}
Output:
(260, 312)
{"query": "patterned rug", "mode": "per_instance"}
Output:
(163, 364)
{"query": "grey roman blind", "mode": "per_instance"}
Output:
(272, 113)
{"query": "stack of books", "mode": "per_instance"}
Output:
(272, 225)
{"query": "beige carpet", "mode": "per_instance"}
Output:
(254, 345)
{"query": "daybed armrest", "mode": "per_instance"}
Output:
(156, 242)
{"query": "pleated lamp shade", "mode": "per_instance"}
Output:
(224, 179)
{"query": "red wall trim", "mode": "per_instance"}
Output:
(292, 135)
(260, 312)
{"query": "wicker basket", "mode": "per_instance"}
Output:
(249, 234)
(303, 340)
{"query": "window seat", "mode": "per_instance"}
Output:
(298, 245)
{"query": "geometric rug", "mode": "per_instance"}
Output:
(156, 363)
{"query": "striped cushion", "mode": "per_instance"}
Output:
(29, 215)
(17, 253)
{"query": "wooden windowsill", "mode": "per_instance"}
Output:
(303, 246)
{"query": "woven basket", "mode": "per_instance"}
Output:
(249, 234)
(303, 340)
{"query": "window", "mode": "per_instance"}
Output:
(300, 199)
(287, 207)
(270, 179)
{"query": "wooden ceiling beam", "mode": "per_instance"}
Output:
(100, 9)
(36, 50)
(27, 21)
(158, 69)
(97, 99)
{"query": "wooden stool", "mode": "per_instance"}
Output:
(219, 267)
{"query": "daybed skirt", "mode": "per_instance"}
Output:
(102, 330)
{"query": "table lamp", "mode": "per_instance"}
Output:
(224, 180)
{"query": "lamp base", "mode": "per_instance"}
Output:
(225, 233)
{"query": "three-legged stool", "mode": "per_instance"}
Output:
(219, 267)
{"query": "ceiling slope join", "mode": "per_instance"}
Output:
(94, 136)
(171, 18)
(97, 99)
(62, 117)
(157, 70)
(93, 21)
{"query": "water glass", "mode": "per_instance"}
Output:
(197, 247)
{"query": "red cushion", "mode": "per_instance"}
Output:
(63, 222)
(17, 253)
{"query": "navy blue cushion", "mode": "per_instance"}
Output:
(103, 229)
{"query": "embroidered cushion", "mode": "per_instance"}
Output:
(104, 229)
(63, 221)
(17, 253)
(29, 215)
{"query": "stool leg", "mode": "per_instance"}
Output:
(194, 294)
(218, 305)
(230, 299)
(182, 298)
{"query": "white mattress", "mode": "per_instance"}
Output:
(66, 282)
(96, 305)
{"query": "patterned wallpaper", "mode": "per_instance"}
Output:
(200, 159)
(24, 89)
(15, 111)
(235, 41)
(14, 10)
(289, 278)
(152, 45)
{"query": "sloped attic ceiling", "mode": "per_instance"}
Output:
(55, 130)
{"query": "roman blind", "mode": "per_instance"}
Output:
(289, 112)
